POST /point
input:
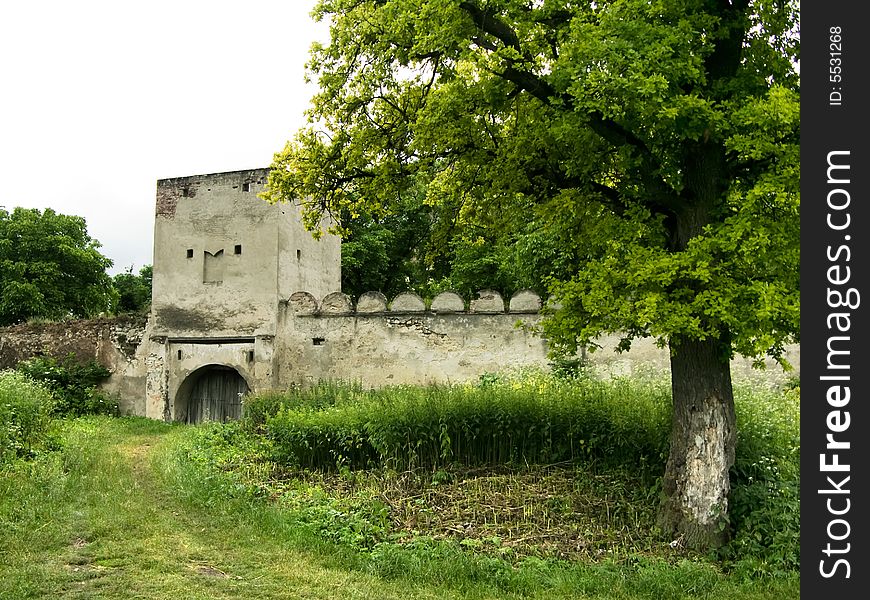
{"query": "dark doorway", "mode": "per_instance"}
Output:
(213, 393)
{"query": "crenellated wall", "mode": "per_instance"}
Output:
(225, 316)
(375, 342)
(407, 341)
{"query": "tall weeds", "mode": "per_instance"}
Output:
(25, 416)
(529, 419)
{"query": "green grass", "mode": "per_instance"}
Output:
(530, 418)
(133, 508)
(94, 522)
(597, 427)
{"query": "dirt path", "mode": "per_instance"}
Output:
(115, 532)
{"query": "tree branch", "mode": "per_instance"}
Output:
(541, 89)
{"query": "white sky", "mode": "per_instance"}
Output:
(99, 99)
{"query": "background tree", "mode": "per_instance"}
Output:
(650, 146)
(50, 268)
(388, 253)
(423, 249)
(134, 291)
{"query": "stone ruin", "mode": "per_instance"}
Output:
(245, 299)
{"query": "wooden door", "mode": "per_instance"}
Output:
(216, 396)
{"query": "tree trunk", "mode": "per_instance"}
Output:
(703, 436)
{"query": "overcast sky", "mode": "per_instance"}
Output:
(101, 98)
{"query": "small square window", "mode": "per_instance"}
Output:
(318, 341)
(246, 187)
(190, 253)
(237, 249)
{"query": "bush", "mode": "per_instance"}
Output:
(765, 485)
(25, 416)
(74, 385)
(259, 407)
(529, 419)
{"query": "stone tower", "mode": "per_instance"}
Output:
(223, 261)
(223, 257)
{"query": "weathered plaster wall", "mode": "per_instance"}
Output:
(305, 263)
(222, 256)
(114, 343)
(406, 342)
(374, 342)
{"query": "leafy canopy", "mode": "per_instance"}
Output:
(50, 268)
(134, 291)
(643, 154)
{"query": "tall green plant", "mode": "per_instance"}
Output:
(537, 420)
(74, 384)
(26, 408)
(657, 143)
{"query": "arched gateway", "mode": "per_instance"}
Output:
(211, 393)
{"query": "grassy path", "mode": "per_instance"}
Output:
(96, 523)
(97, 519)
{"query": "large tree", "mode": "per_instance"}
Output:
(654, 143)
(50, 268)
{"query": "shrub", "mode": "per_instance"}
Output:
(265, 404)
(529, 419)
(74, 385)
(25, 416)
(765, 481)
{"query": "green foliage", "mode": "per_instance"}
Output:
(765, 479)
(533, 419)
(50, 268)
(617, 425)
(639, 160)
(134, 291)
(390, 253)
(259, 407)
(26, 409)
(73, 383)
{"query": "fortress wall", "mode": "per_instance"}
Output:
(406, 344)
(406, 341)
(114, 343)
(374, 342)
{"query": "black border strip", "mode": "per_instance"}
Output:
(835, 300)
